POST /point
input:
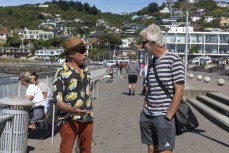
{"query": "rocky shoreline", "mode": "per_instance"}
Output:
(16, 69)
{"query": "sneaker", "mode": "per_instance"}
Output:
(133, 93)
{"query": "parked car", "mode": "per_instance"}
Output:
(200, 60)
(110, 63)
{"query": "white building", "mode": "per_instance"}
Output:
(208, 43)
(127, 42)
(165, 10)
(222, 4)
(208, 19)
(43, 5)
(48, 53)
(36, 34)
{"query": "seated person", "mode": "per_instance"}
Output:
(44, 89)
(34, 94)
(111, 71)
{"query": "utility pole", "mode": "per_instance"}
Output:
(188, 5)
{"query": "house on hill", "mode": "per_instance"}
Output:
(4, 33)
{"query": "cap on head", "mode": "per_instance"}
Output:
(73, 43)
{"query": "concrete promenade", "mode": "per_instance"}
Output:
(116, 125)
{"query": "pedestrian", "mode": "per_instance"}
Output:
(44, 89)
(71, 94)
(120, 67)
(157, 123)
(34, 94)
(132, 69)
(142, 66)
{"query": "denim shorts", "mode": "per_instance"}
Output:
(158, 131)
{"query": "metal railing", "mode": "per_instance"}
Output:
(12, 88)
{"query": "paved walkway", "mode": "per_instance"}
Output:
(116, 128)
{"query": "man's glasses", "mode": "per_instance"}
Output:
(144, 43)
(82, 51)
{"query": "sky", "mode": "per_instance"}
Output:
(114, 6)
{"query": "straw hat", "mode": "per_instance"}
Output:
(73, 43)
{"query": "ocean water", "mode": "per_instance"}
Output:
(4, 77)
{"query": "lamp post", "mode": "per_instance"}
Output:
(188, 5)
(166, 32)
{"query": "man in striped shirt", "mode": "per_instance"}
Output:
(156, 120)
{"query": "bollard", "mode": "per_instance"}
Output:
(191, 76)
(199, 77)
(19, 108)
(207, 79)
(220, 82)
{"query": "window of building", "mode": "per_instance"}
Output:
(211, 38)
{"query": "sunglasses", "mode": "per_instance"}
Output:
(82, 51)
(144, 43)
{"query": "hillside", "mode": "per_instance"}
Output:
(31, 16)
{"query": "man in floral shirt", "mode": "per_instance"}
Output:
(71, 94)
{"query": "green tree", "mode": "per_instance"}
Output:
(93, 10)
(79, 6)
(72, 4)
(10, 12)
(153, 7)
(14, 41)
(64, 5)
(40, 16)
(55, 42)
(113, 39)
(194, 49)
(38, 44)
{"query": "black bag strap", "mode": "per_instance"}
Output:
(158, 80)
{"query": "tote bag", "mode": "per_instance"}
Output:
(185, 119)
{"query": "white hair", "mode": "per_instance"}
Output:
(153, 34)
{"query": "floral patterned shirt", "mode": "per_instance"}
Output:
(73, 88)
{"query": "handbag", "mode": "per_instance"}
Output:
(185, 119)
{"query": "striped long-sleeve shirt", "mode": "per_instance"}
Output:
(170, 70)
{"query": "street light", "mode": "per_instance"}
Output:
(187, 5)
(166, 32)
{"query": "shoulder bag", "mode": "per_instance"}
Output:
(185, 119)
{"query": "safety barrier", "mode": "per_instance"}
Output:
(12, 88)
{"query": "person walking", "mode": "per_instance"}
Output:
(142, 66)
(71, 94)
(120, 67)
(157, 124)
(34, 94)
(132, 69)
